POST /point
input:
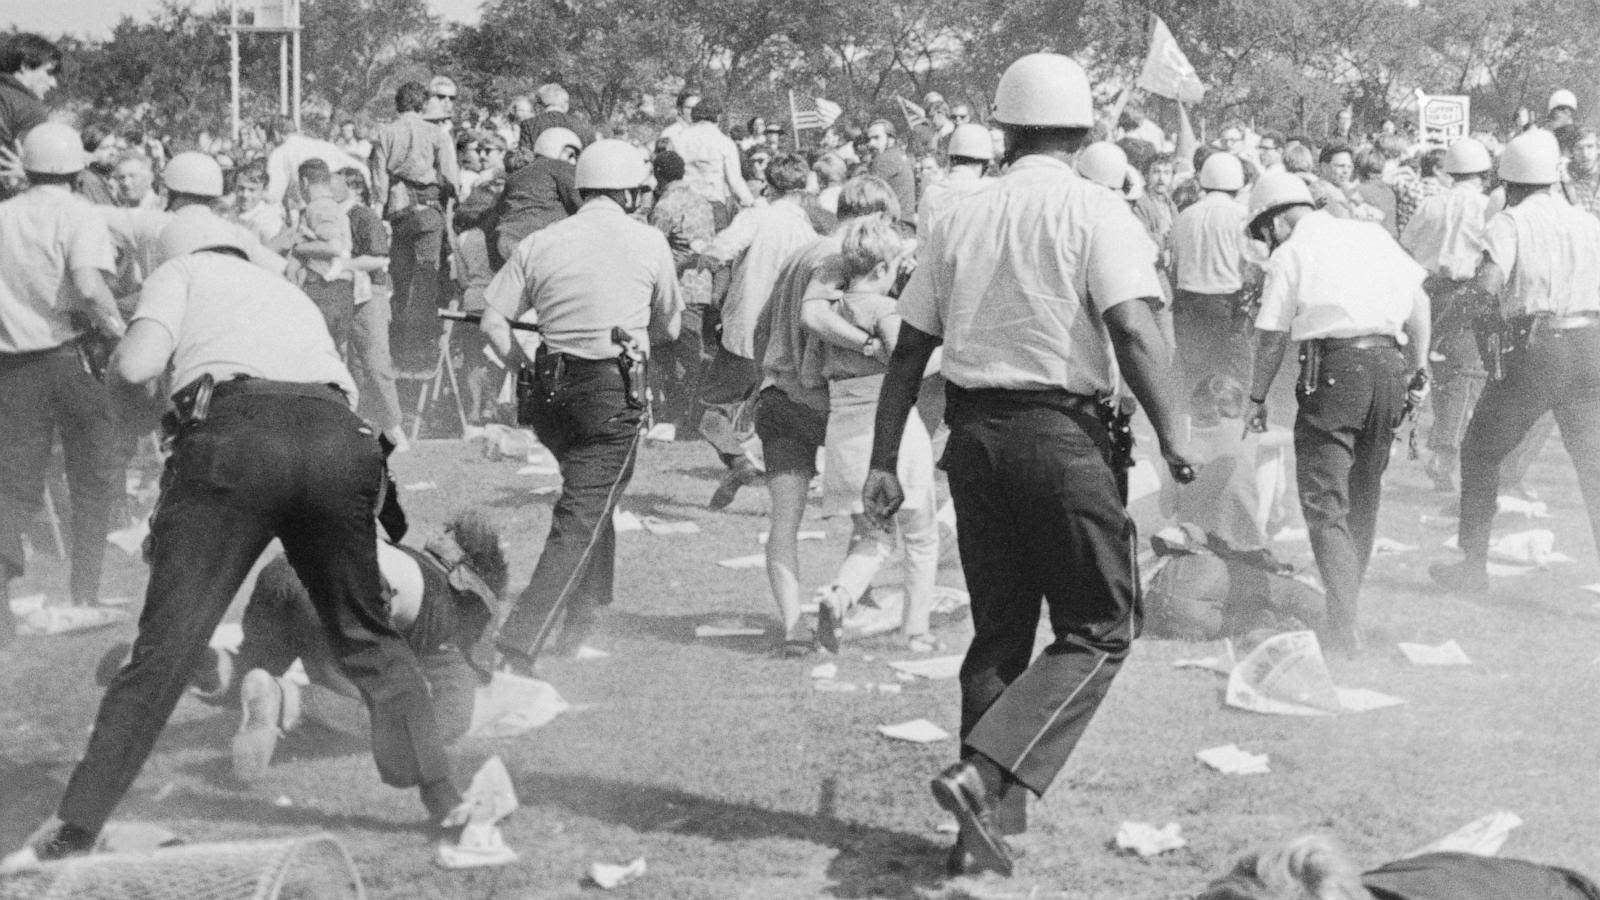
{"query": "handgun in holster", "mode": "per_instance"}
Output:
(191, 405)
(630, 362)
(1310, 366)
(1119, 433)
(540, 384)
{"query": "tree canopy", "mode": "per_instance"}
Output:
(1287, 63)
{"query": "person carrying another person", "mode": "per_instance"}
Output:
(871, 255)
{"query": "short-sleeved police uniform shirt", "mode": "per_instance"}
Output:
(1550, 252)
(1339, 278)
(937, 198)
(1018, 275)
(1445, 234)
(583, 276)
(45, 233)
(227, 317)
(1208, 243)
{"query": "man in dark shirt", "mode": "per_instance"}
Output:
(554, 112)
(28, 66)
(536, 194)
(890, 163)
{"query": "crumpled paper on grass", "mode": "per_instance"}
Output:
(130, 540)
(1532, 509)
(625, 521)
(47, 620)
(1147, 840)
(1448, 653)
(727, 631)
(1481, 837)
(1286, 675)
(917, 731)
(662, 433)
(510, 705)
(1222, 663)
(1534, 547)
(489, 799)
(607, 876)
(1390, 545)
(753, 561)
(1230, 759)
(659, 526)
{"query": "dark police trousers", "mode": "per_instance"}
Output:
(1039, 518)
(1342, 438)
(586, 422)
(299, 467)
(1559, 370)
(43, 394)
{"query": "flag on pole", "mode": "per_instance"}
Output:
(915, 115)
(1167, 71)
(1186, 143)
(812, 112)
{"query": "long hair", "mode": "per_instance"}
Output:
(479, 540)
(1311, 867)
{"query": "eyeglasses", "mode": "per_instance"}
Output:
(444, 96)
(960, 117)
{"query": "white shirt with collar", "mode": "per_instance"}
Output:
(1339, 278)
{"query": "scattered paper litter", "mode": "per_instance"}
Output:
(21, 606)
(510, 705)
(753, 561)
(1592, 588)
(421, 486)
(936, 668)
(130, 540)
(134, 837)
(1148, 840)
(1448, 653)
(1286, 675)
(626, 521)
(1503, 570)
(829, 686)
(1532, 509)
(1229, 759)
(950, 827)
(114, 601)
(588, 652)
(608, 876)
(1222, 663)
(660, 526)
(826, 670)
(723, 631)
(1440, 523)
(662, 433)
(917, 731)
(949, 599)
(1390, 545)
(1453, 542)
(1536, 547)
(489, 799)
(1288, 535)
(48, 620)
(884, 687)
(1481, 837)
(802, 536)
(546, 490)
(540, 469)
(283, 801)
(228, 636)
(1143, 480)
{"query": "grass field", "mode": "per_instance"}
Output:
(723, 767)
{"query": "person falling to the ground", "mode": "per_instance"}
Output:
(441, 599)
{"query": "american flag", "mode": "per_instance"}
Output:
(813, 112)
(915, 115)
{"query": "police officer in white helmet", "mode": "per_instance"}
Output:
(264, 445)
(1354, 301)
(597, 284)
(1039, 287)
(970, 151)
(53, 297)
(1541, 262)
(1210, 306)
(1445, 236)
(1562, 109)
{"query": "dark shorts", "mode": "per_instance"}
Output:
(790, 432)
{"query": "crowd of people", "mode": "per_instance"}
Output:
(1024, 285)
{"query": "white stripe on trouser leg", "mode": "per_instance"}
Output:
(583, 559)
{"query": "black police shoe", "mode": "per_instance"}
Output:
(960, 790)
(68, 840)
(1463, 577)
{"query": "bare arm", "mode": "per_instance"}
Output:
(91, 285)
(1419, 327)
(1141, 355)
(1270, 347)
(882, 494)
(498, 330)
(821, 319)
(143, 354)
